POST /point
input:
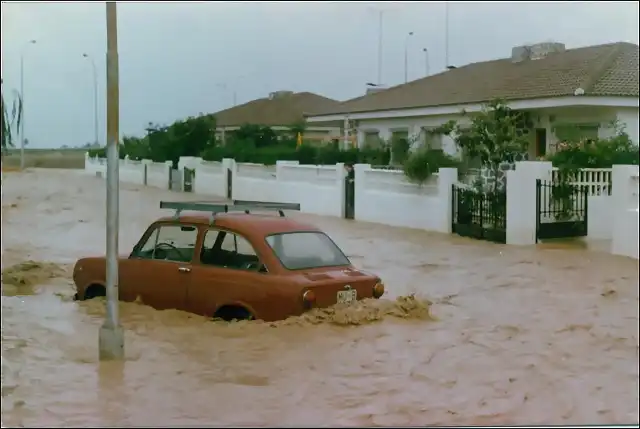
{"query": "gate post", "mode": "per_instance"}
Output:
(359, 187)
(522, 200)
(229, 174)
(447, 177)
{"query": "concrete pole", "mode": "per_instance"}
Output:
(426, 61)
(406, 57)
(446, 35)
(380, 47)
(22, 110)
(111, 339)
(95, 98)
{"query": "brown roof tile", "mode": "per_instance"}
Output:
(282, 110)
(610, 69)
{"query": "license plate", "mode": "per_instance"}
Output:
(347, 296)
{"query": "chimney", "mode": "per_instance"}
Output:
(536, 51)
(279, 94)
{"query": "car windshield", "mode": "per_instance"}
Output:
(303, 250)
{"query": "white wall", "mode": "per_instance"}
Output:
(626, 185)
(132, 171)
(628, 117)
(318, 188)
(158, 173)
(385, 196)
(210, 179)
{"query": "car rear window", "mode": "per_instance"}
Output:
(304, 250)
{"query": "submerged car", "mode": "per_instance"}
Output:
(227, 261)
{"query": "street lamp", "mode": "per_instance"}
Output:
(426, 61)
(22, 113)
(406, 57)
(95, 97)
(111, 338)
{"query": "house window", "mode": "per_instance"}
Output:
(431, 140)
(372, 139)
(577, 132)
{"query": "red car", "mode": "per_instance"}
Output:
(229, 262)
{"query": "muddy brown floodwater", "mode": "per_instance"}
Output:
(518, 335)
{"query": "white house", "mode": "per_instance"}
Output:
(588, 88)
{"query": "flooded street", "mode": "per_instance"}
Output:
(545, 335)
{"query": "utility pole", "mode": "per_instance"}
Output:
(95, 98)
(446, 35)
(21, 114)
(380, 47)
(426, 61)
(111, 338)
(406, 57)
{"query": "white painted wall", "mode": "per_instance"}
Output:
(158, 173)
(626, 185)
(318, 188)
(385, 196)
(628, 117)
(210, 178)
(132, 171)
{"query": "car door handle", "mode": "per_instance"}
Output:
(184, 269)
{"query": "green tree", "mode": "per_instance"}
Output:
(497, 134)
(10, 121)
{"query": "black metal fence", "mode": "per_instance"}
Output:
(562, 210)
(479, 215)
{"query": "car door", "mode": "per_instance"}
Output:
(228, 273)
(159, 270)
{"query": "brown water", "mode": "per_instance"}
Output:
(518, 335)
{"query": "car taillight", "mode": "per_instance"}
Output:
(308, 299)
(378, 290)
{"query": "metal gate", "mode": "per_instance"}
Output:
(479, 215)
(561, 210)
(350, 195)
(229, 184)
(187, 178)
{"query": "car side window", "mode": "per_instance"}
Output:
(170, 243)
(229, 250)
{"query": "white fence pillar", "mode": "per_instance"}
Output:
(229, 164)
(625, 183)
(521, 200)
(360, 187)
(341, 177)
(447, 177)
(146, 163)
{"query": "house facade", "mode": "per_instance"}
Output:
(586, 89)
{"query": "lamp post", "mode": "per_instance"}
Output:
(95, 97)
(111, 338)
(426, 61)
(406, 57)
(22, 113)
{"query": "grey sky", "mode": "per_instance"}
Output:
(174, 55)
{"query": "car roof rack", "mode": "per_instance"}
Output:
(237, 206)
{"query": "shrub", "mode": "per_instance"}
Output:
(422, 163)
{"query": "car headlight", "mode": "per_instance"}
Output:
(378, 289)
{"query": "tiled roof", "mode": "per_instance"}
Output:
(282, 110)
(603, 70)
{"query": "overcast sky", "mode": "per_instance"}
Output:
(175, 58)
